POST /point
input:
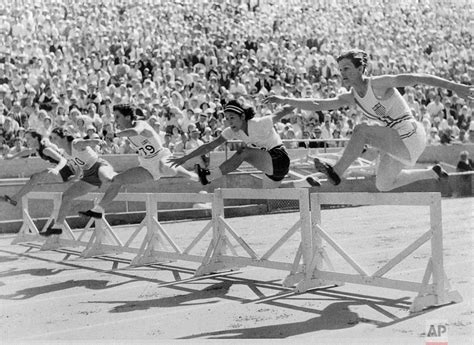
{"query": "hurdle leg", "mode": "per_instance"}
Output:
(97, 245)
(155, 238)
(213, 260)
(438, 293)
(319, 255)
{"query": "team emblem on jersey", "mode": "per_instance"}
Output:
(379, 109)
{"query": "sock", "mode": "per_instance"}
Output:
(215, 174)
(193, 177)
(98, 209)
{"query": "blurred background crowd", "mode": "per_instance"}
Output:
(66, 63)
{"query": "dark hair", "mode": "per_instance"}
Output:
(35, 135)
(126, 110)
(63, 133)
(358, 57)
(236, 107)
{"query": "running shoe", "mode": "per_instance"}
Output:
(327, 170)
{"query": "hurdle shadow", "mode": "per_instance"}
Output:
(379, 304)
(39, 272)
(335, 316)
(207, 295)
(39, 290)
(7, 259)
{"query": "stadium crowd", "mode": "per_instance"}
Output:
(67, 63)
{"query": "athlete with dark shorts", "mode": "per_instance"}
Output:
(50, 153)
(264, 148)
(95, 172)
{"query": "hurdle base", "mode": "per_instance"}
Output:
(428, 301)
(98, 251)
(21, 238)
(293, 279)
(52, 243)
(148, 260)
(215, 267)
(311, 284)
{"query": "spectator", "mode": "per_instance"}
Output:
(465, 163)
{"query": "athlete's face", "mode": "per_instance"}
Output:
(55, 139)
(30, 141)
(121, 121)
(236, 122)
(350, 74)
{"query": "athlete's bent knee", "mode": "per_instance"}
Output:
(361, 128)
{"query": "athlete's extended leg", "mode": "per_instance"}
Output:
(260, 159)
(391, 175)
(384, 139)
(76, 190)
(34, 180)
(134, 175)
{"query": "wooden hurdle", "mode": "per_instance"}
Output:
(157, 245)
(320, 272)
(218, 257)
(311, 266)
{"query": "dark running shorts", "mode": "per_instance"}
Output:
(66, 173)
(91, 175)
(281, 163)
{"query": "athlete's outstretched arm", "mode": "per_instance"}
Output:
(22, 153)
(138, 129)
(288, 109)
(83, 143)
(56, 156)
(409, 79)
(201, 150)
(313, 104)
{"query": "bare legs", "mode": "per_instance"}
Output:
(260, 159)
(382, 138)
(35, 179)
(390, 173)
(131, 176)
(76, 190)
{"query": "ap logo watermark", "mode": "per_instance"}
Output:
(436, 332)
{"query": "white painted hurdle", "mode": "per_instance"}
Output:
(429, 294)
(157, 245)
(311, 267)
(218, 256)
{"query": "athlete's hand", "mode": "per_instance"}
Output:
(465, 91)
(274, 99)
(176, 161)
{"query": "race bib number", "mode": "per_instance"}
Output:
(147, 150)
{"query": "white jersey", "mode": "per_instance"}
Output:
(84, 159)
(393, 112)
(261, 134)
(146, 147)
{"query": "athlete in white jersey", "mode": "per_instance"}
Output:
(399, 139)
(95, 172)
(152, 157)
(264, 148)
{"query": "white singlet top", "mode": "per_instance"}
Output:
(393, 111)
(146, 147)
(261, 134)
(82, 159)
